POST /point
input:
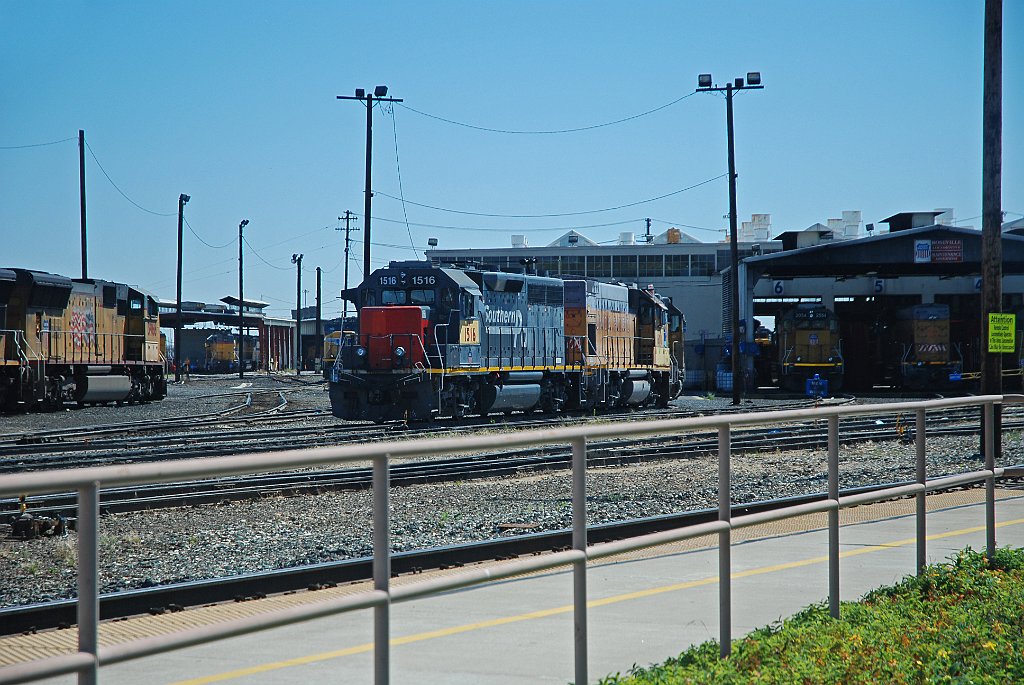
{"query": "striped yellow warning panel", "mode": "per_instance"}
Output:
(22, 648)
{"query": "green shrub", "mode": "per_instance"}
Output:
(959, 622)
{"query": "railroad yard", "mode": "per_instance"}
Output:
(252, 526)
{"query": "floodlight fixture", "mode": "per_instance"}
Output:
(738, 83)
(753, 78)
(244, 223)
(432, 242)
(184, 198)
(380, 91)
(360, 93)
(704, 81)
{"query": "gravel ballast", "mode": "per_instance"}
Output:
(142, 549)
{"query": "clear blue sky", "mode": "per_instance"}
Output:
(873, 106)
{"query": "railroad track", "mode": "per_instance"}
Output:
(162, 599)
(212, 435)
(808, 435)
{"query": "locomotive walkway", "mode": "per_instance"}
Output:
(645, 606)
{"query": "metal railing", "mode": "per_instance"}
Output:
(87, 482)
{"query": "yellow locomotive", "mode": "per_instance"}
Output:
(82, 340)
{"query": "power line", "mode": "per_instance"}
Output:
(506, 230)
(215, 247)
(679, 223)
(279, 268)
(52, 142)
(150, 211)
(394, 126)
(544, 216)
(548, 132)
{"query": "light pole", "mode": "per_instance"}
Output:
(347, 218)
(182, 201)
(704, 84)
(297, 261)
(380, 94)
(241, 307)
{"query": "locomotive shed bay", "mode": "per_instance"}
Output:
(155, 547)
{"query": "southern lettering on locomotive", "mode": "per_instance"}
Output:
(447, 342)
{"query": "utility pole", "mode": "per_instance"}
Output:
(648, 237)
(704, 84)
(241, 300)
(182, 201)
(81, 194)
(297, 261)
(379, 94)
(991, 229)
(319, 321)
(347, 218)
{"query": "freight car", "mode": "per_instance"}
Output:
(449, 342)
(809, 348)
(915, 350)
(222, 353)
(82, 340)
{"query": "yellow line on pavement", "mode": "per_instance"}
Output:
(544, 613)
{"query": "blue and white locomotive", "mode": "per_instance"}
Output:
(450, 342)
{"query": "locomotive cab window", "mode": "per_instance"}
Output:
(369, 298)
(421, 296)
(468, 309)
(447, 298)
(136, 304)
(393, 297)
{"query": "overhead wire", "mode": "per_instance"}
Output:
(552, 131)
(507, 229)
(394, 126)
(272, 266)
(22, 147)
(149, 211)
(215, 247)
(544, 216)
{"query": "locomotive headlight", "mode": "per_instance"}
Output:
(799, 359)
(399, 352)
(360, 351)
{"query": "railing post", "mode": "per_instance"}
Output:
(381, 569)
(833, 516)
(990, 481)
(579, 569)
(922, 497)
(88, 578)
(724, 548)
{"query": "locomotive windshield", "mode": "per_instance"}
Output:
(415, 296)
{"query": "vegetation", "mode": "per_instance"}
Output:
(959, 622)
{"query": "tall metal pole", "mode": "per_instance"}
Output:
(319, 320)
(368, 194)
(380, 95)
(241, 308)
(182, 199)
(734, 276)
(991, 206)
(81, 193)
(297, 261)
(347, 218)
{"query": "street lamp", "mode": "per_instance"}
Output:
(241, 306)
(379, 93)
(704, 84)
(297, 261)
(182, 201)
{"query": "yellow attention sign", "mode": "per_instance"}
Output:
(469, 332)
(1001, 332)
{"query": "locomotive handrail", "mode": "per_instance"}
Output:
(88, 481)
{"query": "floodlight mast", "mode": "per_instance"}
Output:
(704, 84)
(379, 94)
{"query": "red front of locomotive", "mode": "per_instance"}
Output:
(393, 337)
